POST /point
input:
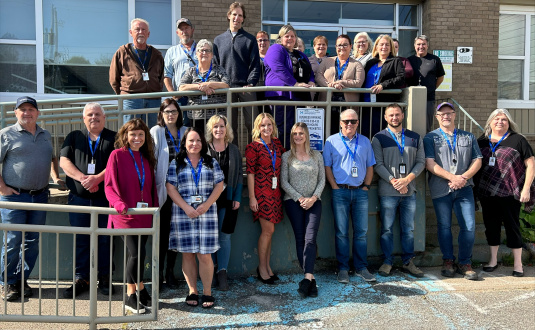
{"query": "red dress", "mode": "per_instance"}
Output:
(259, 163)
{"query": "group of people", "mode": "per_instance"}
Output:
(188, 163)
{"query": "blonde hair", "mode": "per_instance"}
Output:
(229, 135)
(390, 41)
(285, 29)
(513, 127)
(355, 47)
(292, 142)
(258, 122)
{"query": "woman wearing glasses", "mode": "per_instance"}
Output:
(383, 71)
(340, 72)
(205, 77)
(166, 136)
(362, 49)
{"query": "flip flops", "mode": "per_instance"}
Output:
(207, 299)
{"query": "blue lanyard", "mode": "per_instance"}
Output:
(140, 178)
(377, 75)
(96, 145)
(452, 147)
(173, 140)
(192, 49)
(493, 147)
(273, 156)
(340, 71)
(196, 174)
(401, 146)
(139, 58)
(353, 154)
(207, 74)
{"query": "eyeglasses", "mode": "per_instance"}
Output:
(361, 42)
(205, 51)
(170, 112)
(342, 46)
(349, 121)
(446, 114)
(262, 40)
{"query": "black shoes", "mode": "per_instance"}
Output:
(308, 288)
(79, 287)
(313, 290)
(489, 269)
(104, 286)
(518, 274)
(132, 305)
(269, 281)
(144, 298)
(11, 292)
(171, 280)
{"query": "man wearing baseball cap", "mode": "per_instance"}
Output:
(26, 154)
(452, 159)
(178, 59)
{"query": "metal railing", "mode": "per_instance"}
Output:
(464, 120)
(98, 313)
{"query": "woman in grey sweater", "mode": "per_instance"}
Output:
(303, 180)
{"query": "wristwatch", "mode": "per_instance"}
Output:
(366, 185)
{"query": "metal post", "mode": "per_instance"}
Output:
(328, 114)
(93, 262)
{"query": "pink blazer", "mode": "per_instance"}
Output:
(353, 77)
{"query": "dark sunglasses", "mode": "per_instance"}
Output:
(349, 121)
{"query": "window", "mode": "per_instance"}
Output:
(516, 59)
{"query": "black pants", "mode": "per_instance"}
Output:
(165, 229)
(498, 210)
(133, 264)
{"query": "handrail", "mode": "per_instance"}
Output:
(467, 115)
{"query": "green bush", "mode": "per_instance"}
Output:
(527, 225)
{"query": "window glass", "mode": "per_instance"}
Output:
(12, 24)
(408, 15)
(17, 64)
(369, 14)
(158, 14)
(512, 35)
(313, 11)
(273, 10)
(406, 42)
(78, 52)
(510, 79)
(532, 61)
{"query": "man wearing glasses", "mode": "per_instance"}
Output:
(178, 59)
(349, 161)
(452, 159)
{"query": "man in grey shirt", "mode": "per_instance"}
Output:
(452, 159)
(399, 159)
(26, 157)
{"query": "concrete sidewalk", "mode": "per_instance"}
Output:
(497, 301)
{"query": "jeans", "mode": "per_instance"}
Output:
(462, 203)
(131, 104)
(305, 224)
(407, 209)
(83, 241)
(14, 238)
(183, 101)
(354, 203)
(222, 256)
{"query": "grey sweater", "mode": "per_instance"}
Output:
(388, 158)
(239, 57)
(302, 178)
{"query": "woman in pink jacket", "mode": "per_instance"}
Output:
(129, 183)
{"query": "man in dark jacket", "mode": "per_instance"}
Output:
(237, 52)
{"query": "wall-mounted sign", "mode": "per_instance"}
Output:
(446, 56)
(314, 118)
(464, 55)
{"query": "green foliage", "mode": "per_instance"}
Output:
(508, 260)
(527, 225)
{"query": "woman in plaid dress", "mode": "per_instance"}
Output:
(194, 182)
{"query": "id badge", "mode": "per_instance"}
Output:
(373, 97)
(196, 199)
(145, 76)
(453, 168)
(354, 172)
(274, 182)
(204, 97)
(402, 169)
(492, 161)
(301, 72)
(90, 168)
(142, 205)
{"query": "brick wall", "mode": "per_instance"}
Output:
(210, 17)
(473, 23)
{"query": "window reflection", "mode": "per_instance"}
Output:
(512, 32)
(17, 64)
(10, 19)
(158, 14)
(272, 10)
(510, 79)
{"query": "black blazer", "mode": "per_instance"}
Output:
(392, 76)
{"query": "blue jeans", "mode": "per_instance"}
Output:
(131, 104)
(389, 208)
(462, 203)
(222, 256)
(83, 241)
(14, 238)
(351, 203)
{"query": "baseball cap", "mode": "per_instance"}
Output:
(445, 104)
(26, 99)
(183, 20)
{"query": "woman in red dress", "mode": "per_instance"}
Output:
(263, 180)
